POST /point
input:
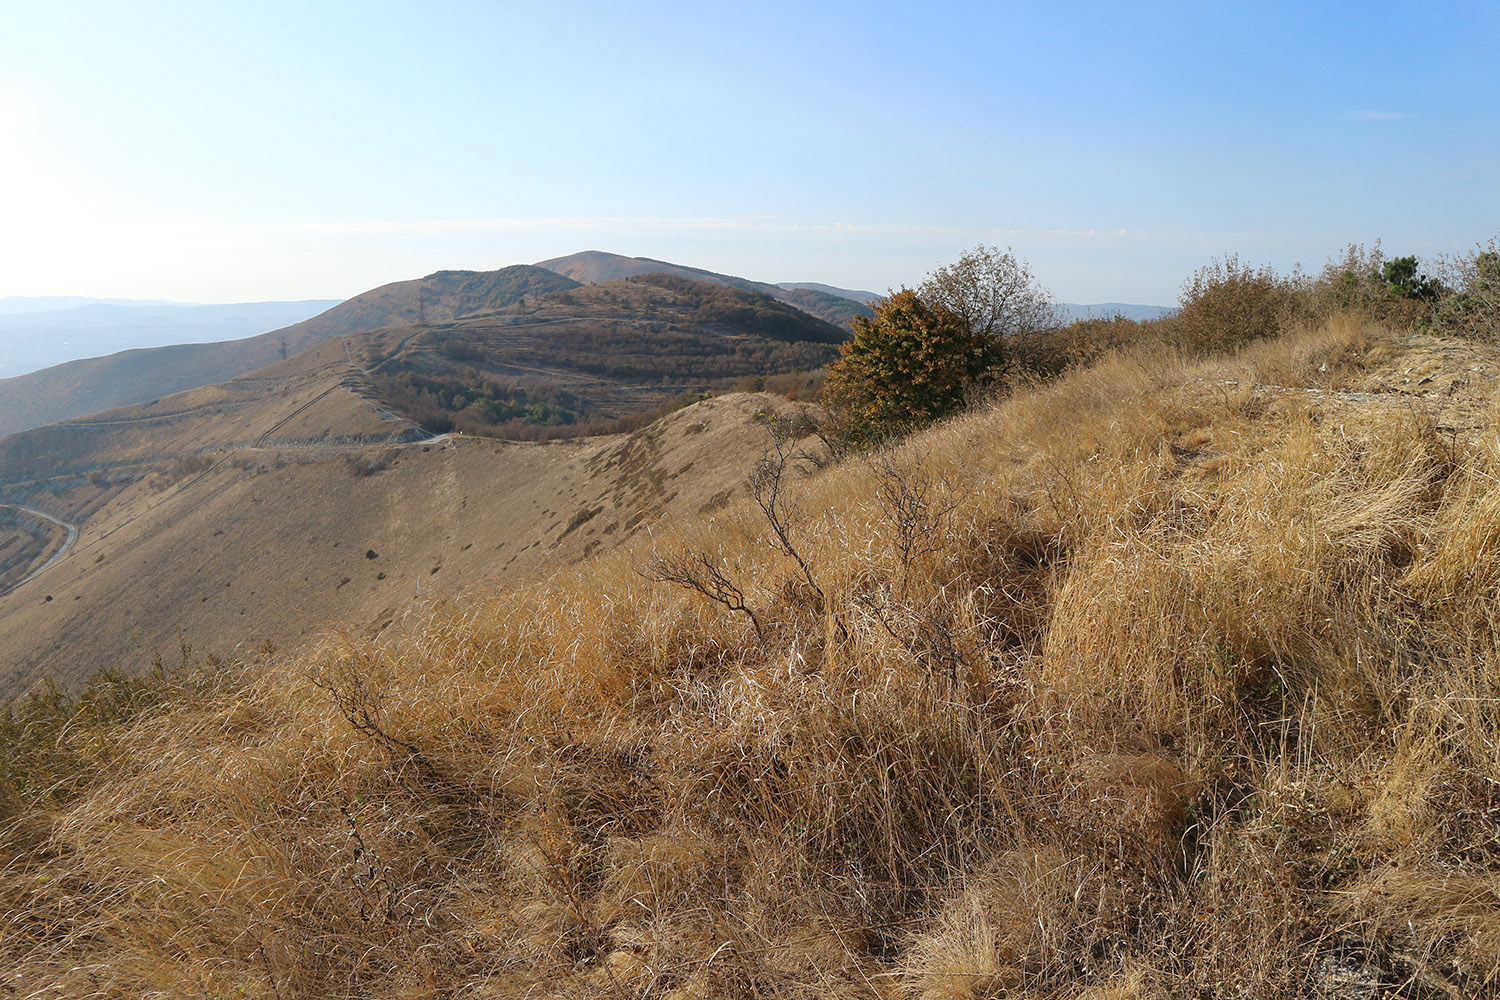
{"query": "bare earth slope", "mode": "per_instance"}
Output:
(274, 540)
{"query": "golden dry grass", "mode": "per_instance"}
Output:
(1173, 678)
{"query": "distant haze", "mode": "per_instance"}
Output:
(1109, 310)
(38, 333)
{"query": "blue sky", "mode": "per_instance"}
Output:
(228, 152)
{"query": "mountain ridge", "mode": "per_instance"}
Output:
(598, 265)
(94, 385)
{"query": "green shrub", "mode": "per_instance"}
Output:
(912, 364)
(1364, 282)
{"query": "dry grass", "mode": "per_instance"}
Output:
(1174, 678)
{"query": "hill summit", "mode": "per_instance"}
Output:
(88, 386)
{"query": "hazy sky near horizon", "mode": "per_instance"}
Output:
(218, 152)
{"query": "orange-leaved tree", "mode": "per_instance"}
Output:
(915, 362)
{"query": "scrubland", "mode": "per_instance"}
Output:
(1172, 677)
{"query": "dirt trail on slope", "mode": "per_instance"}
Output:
(1444, 379)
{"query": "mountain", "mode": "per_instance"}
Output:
(92, 385)
(322, 484)
(42, 338)
(12, 304)
(597, 352)
(862, 297)
(1109, 310)
(597, 265)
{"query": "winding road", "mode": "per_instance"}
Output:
(71, 529)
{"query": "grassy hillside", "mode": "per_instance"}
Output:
(578, 360)
(1168, 679)
(93, 385)
(592, 266)
(267, 541)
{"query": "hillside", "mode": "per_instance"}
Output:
(1172, 678)
(827, 304)
(581, 358)
(92, 385)
(270, 538)
(339, 448)
(257, 484)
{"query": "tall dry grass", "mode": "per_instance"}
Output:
(1172, 678)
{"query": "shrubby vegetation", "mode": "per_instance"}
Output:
(1472, 307)
(928, 352)
(598, 358)
(474, 404)
(914, 363)
(56, 744)
(1229, 304)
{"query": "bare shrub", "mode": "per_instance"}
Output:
(915, 504)
(1227, 303)
(704, 574)
(1473, 307)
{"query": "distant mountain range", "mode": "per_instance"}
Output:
(1109, 310)
(42, 332)
(55, 303)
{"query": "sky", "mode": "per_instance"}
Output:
(222, 152)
